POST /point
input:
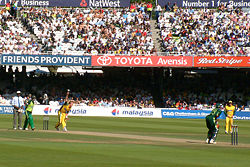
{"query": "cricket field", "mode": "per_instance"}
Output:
(121, 142)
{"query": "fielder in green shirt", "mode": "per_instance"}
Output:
(212, 124)
(28, 113)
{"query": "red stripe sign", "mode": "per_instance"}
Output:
(143, 61)
(220, 61)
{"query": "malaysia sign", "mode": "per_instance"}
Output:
(206, 3)
(55, 60)
(125, 112)
(99, 111)
(134, 112)
(220, 61)
(53, 110)
(72, 3)
(142, 61)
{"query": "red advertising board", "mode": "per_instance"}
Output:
(143, 61)
(220, 61)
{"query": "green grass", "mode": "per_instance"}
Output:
(38, 149)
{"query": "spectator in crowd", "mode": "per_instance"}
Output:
(158, 10)
(7, 6)
(149, 9)
(45, 99)
(132, 7)
(174, 7)
(1, 99)
(167, 7)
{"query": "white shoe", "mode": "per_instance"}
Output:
(226, 132)
(212, 141)
(207, 140)
(26, 129)
(14, 128)
(65, 129)
(20, 128)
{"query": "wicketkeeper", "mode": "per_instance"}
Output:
(212, 124)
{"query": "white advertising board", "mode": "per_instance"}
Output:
(100, 111)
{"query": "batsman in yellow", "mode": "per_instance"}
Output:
(63, 113)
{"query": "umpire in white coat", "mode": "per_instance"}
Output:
(18, 105)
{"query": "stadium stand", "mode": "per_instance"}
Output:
(14, 39)
(90, 31)
(130, 89)
(204, 92)
(205, 32)
(78, 31)
(196, 32)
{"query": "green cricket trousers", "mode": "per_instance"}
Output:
(28, 120)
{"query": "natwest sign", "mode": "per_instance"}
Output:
(106, 3)
(72, 3)
(220, 61)
(143, 61)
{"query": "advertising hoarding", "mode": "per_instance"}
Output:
(125, 112)
(200, 114)
(6, 109)
(72, 3)
(206, 3)
(142, 61)
(222, 61)
(100, 111)
(55, 60)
